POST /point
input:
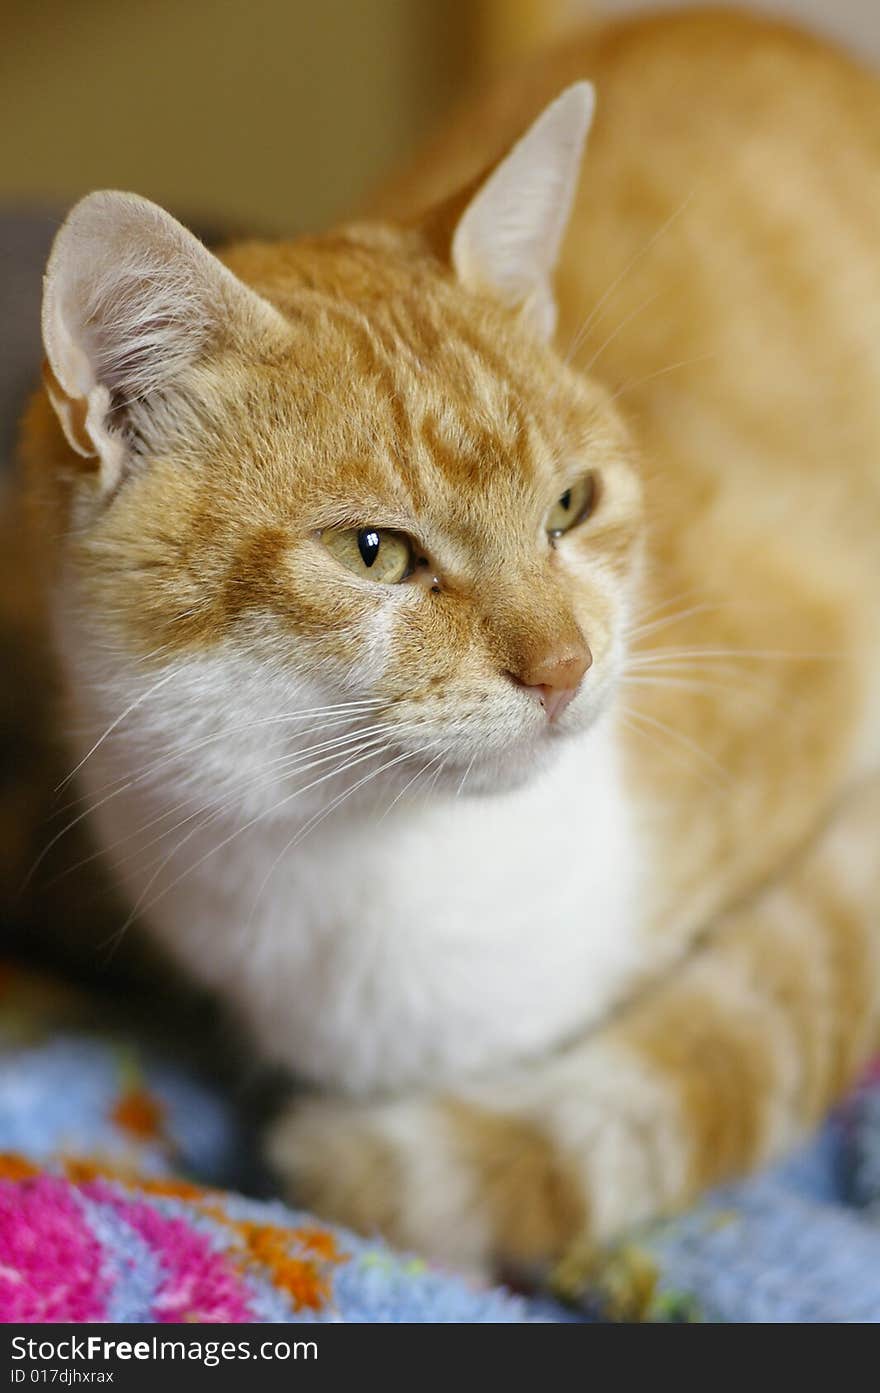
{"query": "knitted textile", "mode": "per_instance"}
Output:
(112, 1209)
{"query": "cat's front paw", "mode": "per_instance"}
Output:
(384, 1169)
(474, 1189)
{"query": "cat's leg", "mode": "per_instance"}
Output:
(714, 1070)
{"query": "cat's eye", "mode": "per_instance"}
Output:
(373, 553)
(575, 504)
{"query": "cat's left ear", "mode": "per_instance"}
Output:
(508, 239)
(131, 302)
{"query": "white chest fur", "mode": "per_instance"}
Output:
(452, 934)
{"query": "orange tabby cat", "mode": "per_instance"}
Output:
(489, 709)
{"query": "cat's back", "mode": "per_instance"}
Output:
(725, 245)
(677, 93)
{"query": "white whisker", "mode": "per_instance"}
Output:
(621, 275)
(118, 721)
(664, 623)
(724, 654)
(289, 764)
(252, 822)
(683, 740)
(183, 751)
(408, 785)
(318, 818)
(627, 319)
(681, 684)
(634, 383)
(460, 790)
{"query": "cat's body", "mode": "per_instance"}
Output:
(471, 915)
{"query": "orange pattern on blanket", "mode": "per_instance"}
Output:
(301, 1278)
(302, 1275)
(137, 1112)
(15, 1167)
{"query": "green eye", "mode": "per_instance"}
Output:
(575, 504)
(373, 553)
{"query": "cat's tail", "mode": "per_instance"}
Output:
(717, 1069)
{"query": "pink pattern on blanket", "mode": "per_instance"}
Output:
(50, 1262)
(198, 1282)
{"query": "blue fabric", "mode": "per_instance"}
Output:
(800, 1243)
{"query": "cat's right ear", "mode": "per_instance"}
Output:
(508, 235)
(130, 300)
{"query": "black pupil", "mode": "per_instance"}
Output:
(368, 545)
(565, 500)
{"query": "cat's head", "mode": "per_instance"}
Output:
(347, 476)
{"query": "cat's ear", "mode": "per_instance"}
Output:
(130, 300)
(508, 239)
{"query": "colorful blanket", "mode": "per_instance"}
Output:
(112, 1208)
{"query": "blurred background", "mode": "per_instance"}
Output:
(271, 114)
(268, 116)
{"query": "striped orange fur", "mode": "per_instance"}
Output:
(713, 375)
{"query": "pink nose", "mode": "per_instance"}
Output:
(556, 683)
(553, 699)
